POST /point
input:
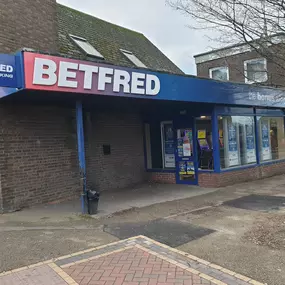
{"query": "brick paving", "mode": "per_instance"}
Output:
(135, 261)
(132, 267)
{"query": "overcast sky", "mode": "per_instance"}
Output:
(166, 28)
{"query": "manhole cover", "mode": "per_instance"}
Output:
(258, 203)
(171, 232)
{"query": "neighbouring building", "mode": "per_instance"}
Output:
(242, 63)
(86, 103)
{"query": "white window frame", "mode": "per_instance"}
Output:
(245, 69)
(217, 68)
(77, 39)
(129, 55)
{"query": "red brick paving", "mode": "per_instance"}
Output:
(132, 267)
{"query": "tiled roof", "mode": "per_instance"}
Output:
(108, 39)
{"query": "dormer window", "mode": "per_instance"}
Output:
(84, 45)
(133, 58)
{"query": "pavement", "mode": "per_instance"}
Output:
(111, 202)
(240, 233)
(135, 261)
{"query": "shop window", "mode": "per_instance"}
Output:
(133, 58)
(204, 142)
(219, 73)
(271, 138)
(86, 46)
(153, 146)
(160, 145)
(237, 141)
(255, 70)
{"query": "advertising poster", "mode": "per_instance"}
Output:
(182, 168)
(169, 154)
(180, 147)
(187, 139)
(201, 134)
(266, 153)
(250, 144)
(233, 147)
(190, 168)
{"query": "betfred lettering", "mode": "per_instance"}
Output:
(6, 68)
(64, 74)
(6, 71)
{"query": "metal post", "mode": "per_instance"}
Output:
(81, 152)
(216, 143)
(257, 137)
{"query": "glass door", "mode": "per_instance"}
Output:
(186, 170)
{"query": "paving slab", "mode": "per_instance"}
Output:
(134, 261)
(181, 232)
(264, 203)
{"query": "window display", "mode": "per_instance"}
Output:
(185, 155)
(237, 141)
(205, 143)
(168, 144)
(271, 138)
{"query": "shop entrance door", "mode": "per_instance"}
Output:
(186, 166)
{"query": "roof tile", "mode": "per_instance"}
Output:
(108, 39)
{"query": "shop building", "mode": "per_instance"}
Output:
(126, 114)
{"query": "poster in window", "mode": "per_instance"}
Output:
(266, 153)
(180, 147)
(187, 139)
(233, 147)
(190, 168)
(169, 156)
(250, 144)
(182, 168)
(201, 134)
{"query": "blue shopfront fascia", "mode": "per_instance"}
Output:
(193, 89)
(11, 74)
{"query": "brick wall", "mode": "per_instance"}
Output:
(235, 64)
(162, 177)
(28, 23)
(211, 179)
(38, 161)
(125, 165)
(241, 175)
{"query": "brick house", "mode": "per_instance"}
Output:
(242, 63)
(38, 144)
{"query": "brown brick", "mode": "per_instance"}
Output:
(28, 23)
(125, 165)
(39, 157)
(235, 63)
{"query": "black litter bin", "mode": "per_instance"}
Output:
(92, 201)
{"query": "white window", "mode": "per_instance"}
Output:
(219, 73)
(86, 46)
(133, 58)
(255, 70)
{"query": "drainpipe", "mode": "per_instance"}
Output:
(81, 153)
